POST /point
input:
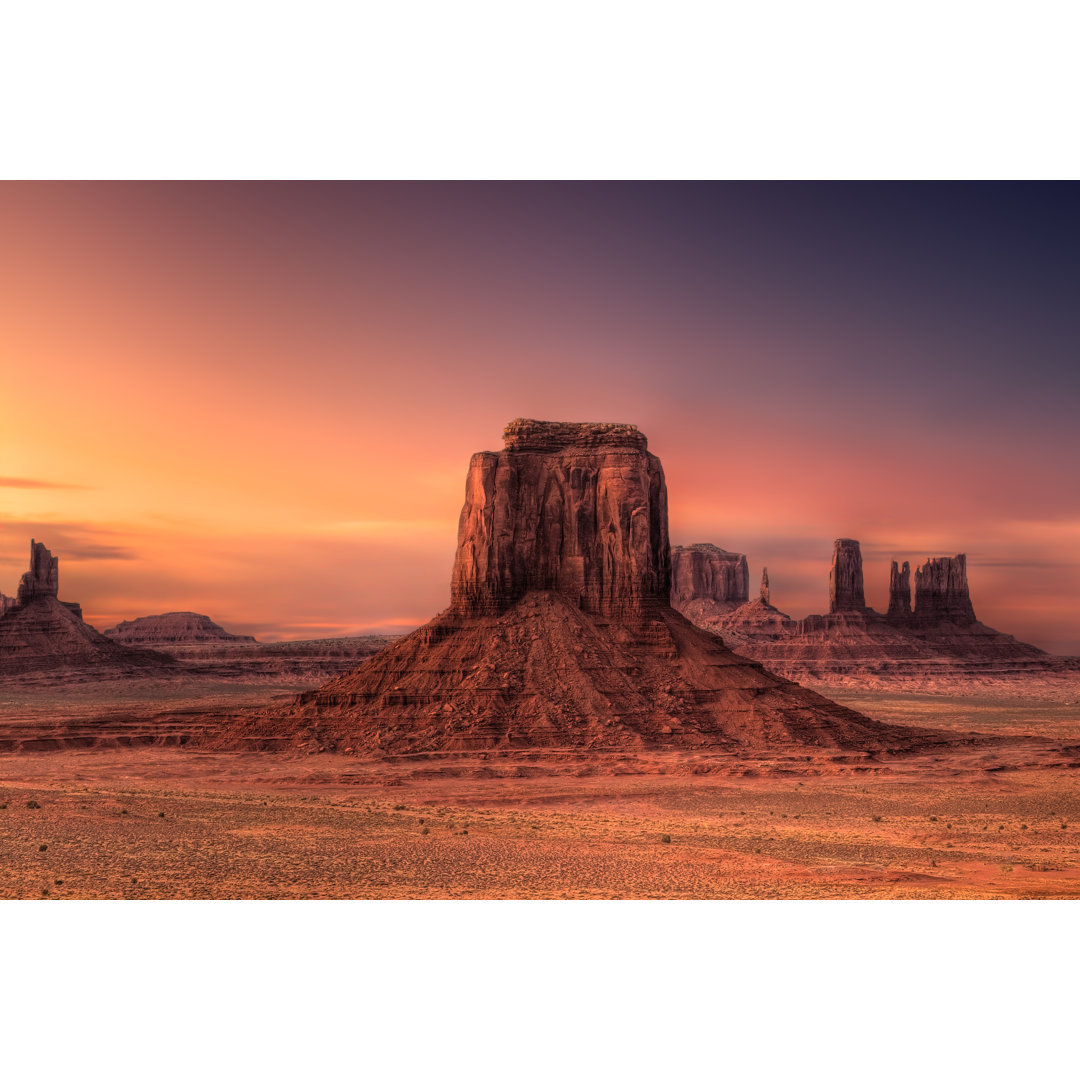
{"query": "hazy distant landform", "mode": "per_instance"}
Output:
(594, 714)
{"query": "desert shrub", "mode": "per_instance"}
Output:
(43, 847)
(59, 881)
(666, 838)
(400, 806)
(1063, 825)
(1001, 828)
(933, 819)
(1024, 827)
(123, 811)
(161, 813)
(3, 806)
(424, 831)
(33, 804)
(948, 824)
(877, 817)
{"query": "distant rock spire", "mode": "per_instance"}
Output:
(900, 592)
(765, 585)
(846, 578)
(43, 577)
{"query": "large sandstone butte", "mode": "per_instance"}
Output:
(560, 632)
(41, 633)
(172, 628)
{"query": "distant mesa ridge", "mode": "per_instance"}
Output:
(560, 631)
(172, 628)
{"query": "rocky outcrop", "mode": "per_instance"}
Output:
(578, 509)
(560, 632)
(6, 604)
(941, 592)
(938, 646)
(846, 578)
(172, 628)
(43, 577)
(763, 591)
(707, 580)
(899, 594)
(42, 633)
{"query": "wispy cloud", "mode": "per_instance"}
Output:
(27, 482)
(74, 541)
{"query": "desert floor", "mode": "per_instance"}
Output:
(183, 823)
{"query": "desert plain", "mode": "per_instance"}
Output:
(146, 821)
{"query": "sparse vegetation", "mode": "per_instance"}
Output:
(877, 817)
(43, 847)
(33, 804)
(666, 838)
(161, 813)
(400, 806)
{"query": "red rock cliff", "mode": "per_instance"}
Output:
(707, 572)
(579, 509)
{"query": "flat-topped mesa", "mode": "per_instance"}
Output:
(941, 592)
(846, 578)
(899, 593)
(708, 573)
(578, 509)
(764, 590)
(43, 577)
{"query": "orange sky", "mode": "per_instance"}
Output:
(259, 401)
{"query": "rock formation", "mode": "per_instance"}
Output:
(578, 509)
(7, 603)
(941, 592)
(707, 580)
(846, 578)
(43, 577)
(763, 592)
(939, 645)
(559, 631)
(172, 628)
(41, 633)
(899, 594)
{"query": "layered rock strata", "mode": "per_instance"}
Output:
(560, 632)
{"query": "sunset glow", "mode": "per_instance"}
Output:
(258, 401)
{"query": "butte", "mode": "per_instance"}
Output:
(45, 636)
(560, 632)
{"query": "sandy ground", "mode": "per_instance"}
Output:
(182, 823)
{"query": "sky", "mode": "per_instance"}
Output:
(258, 401)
